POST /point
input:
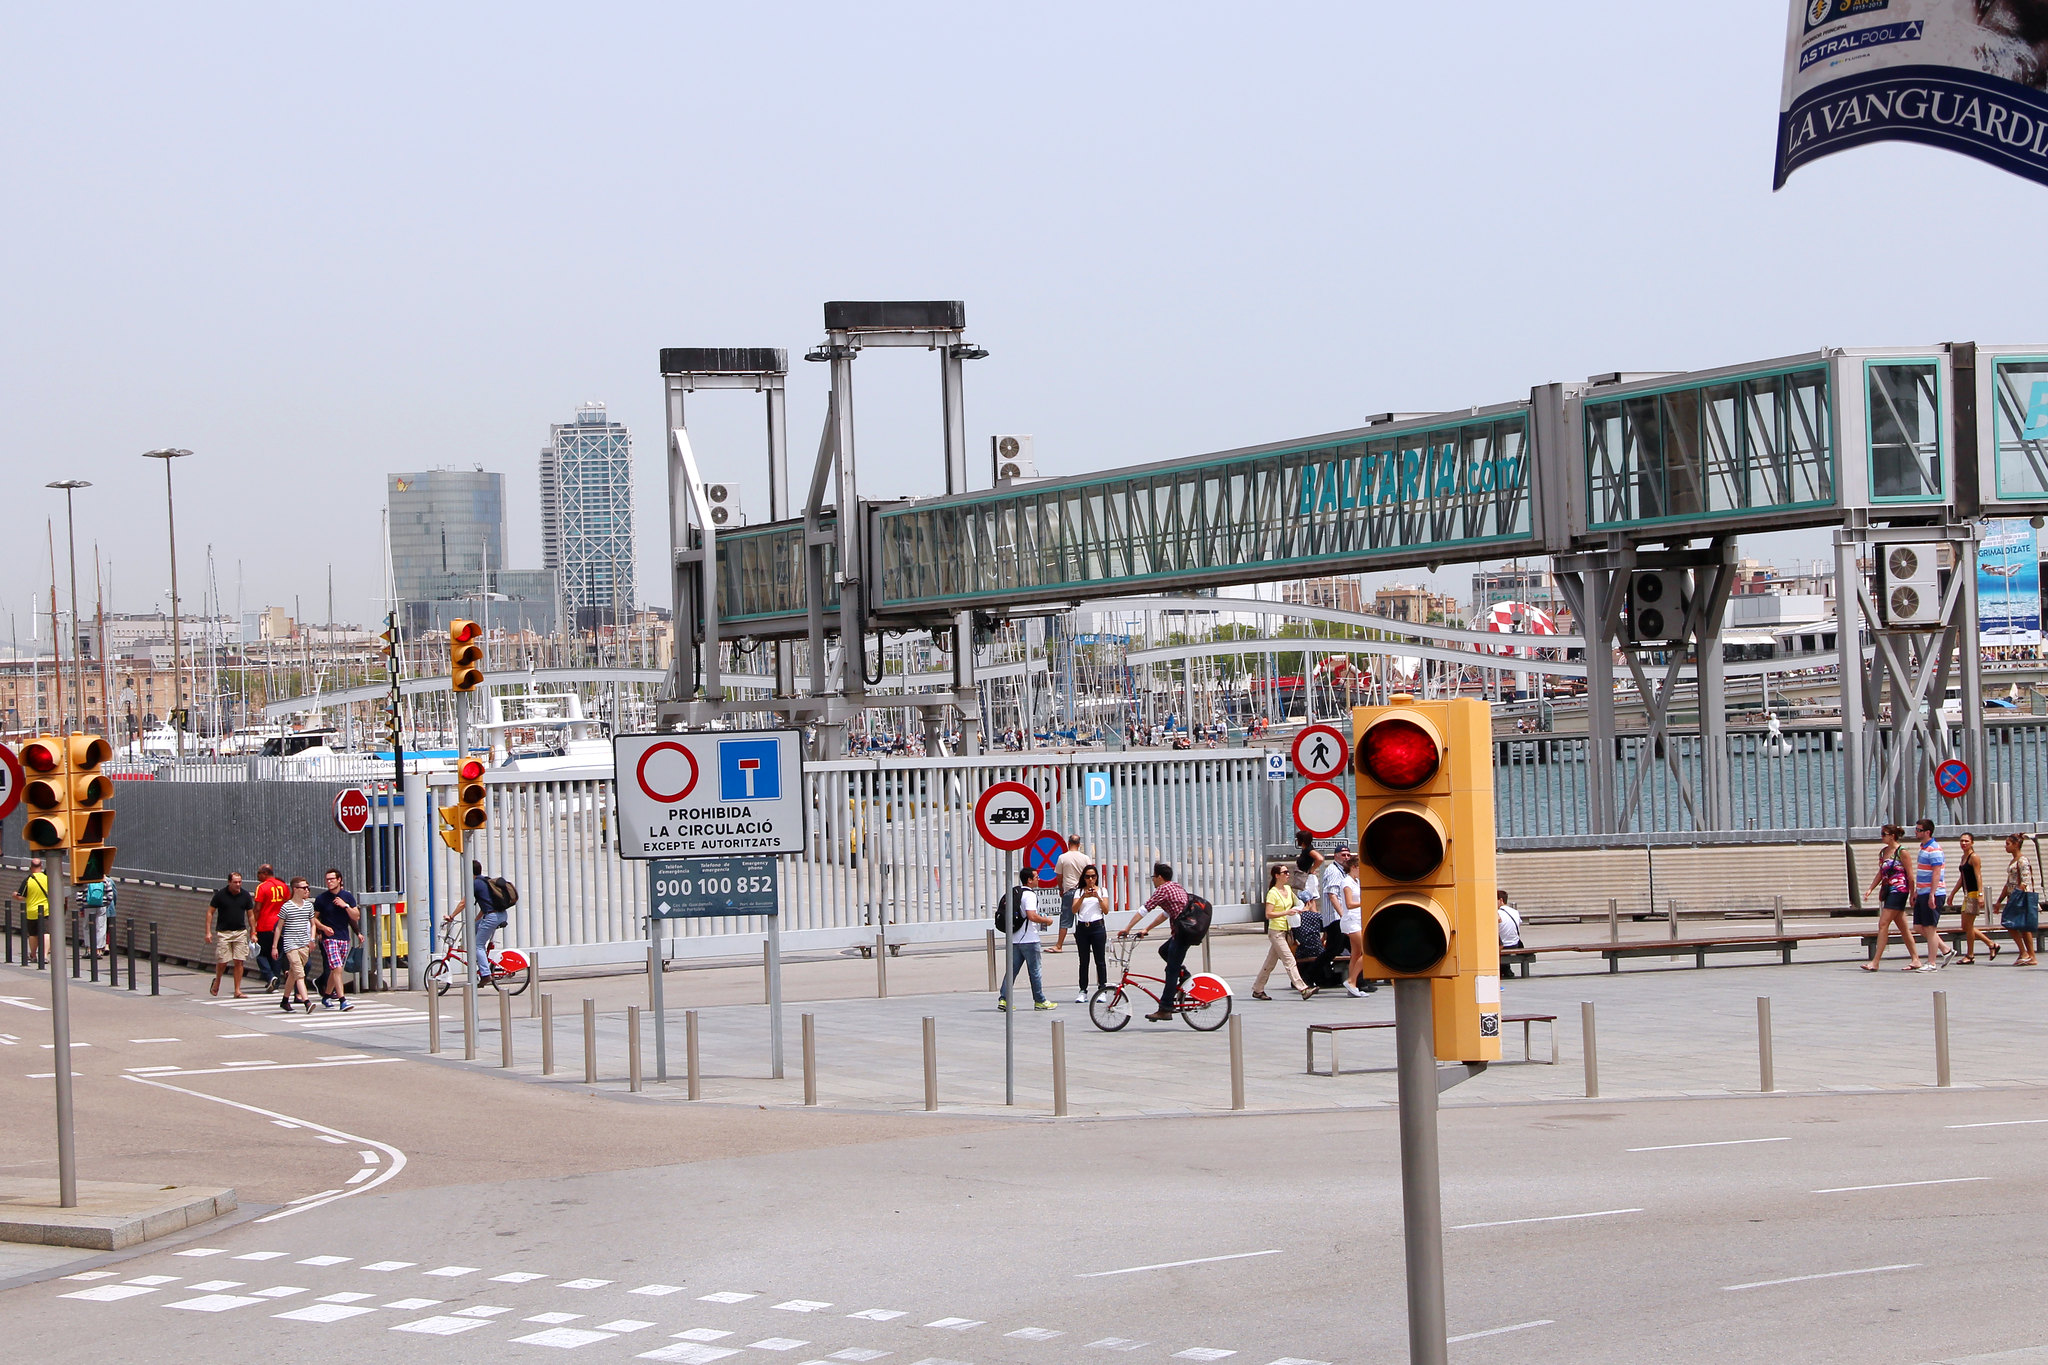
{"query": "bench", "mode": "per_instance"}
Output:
(1695, 948)
(1331, 1031)
(1954, 937)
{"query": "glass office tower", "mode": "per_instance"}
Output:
(586, 513)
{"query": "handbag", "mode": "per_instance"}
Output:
(2022, 910)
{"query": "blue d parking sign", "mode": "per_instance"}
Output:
(1095, 787)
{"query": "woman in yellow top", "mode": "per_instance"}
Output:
(35, 891)
(1281, 904)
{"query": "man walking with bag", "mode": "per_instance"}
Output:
(1021, 905)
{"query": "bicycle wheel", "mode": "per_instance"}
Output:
(1206, 1016)
(437, 976)
(514, 974)
(1110, 1008)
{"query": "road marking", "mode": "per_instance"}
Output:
(213, 1303)
(328, 1137)
(1203, 1353)
(522, 1277)
(1731, 1142)
(567, 1338)
(879, 1314)
(345, 1298)
(323, 1312)
(262, 1255)
(554, 1317)
(2002, 1123)
(440, 1327)
(411, 1305)
(792, 1306)
(152, 1279)
(701, 1334)
(1830, 1275)
(387, 1173)
(1553, 1218)
(281, 1291)
(202, 1251)
(309, 1198)
(1038, 1334)
(652, 1290)
(145, 1070)
(1905, 1185)
(1499, 1331)
(156, 1040)
(726, 1296)
(449, 1272)
(958, 1324)
(599, 1284)
(345, 1057)
(1119, 1344)
(481, 1310)
(282, 1123)
(233, 1067)
(360, 1176)
(108, 1293)
(388, 1265)
(777, 1344)
(624, 1325)
(688, 1354)
(325, 1260)
(1172, 1265)
(216, 1286)
(245, 1035)
(48, 1047)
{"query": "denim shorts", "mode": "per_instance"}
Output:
(1926, 912)
(1067, 909)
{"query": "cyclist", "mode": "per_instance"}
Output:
(489, 918)
(1168, 898)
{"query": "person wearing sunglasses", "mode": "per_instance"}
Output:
(1091, 928)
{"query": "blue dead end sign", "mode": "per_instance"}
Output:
(1043, 856)
(1952, 778)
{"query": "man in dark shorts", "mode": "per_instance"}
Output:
(335, 916)
(227, 929)
(1927, 896)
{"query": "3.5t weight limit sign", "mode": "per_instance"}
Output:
(709, 795)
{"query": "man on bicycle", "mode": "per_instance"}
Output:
(490, 918)
(1168, 898)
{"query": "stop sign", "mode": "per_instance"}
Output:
(352, 810)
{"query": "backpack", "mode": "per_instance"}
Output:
(1010, 904)
(503, 892)
(1192, 923)
(96, 896)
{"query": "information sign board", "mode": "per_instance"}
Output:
(709, 795)
(701, 888)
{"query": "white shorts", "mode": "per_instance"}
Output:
(1351, 921)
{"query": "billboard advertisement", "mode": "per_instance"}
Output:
(2008, 584)
(1970, 76)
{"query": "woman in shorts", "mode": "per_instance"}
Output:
(2019, 904)
(1970, 897)
(1351, 922)
(292, 940)
(1890, 886)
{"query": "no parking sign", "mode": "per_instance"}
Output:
(1043, 856)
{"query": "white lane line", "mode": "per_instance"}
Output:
(1731, 1142)
(245, 1035)
(2002, 1123)
(1905, 1184)
(360, 1176)
(1498, 1331)
(1171, 1265)
(1830, 1275)
(345, 1057)
(233, 1068)
(387, 1173)
(1553, 1218)
(156, 1040)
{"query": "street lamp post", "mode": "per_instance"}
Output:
(171, 512)
(71, 540)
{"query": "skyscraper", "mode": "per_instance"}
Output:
(448, 554)
(586, 516)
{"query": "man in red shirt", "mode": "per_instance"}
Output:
(270, 894)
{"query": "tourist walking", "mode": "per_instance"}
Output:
(1024, 942)
(2019, 903)
(1282, 907)
(1970, 897)
(34, 893)
(1891, 887)
(1168, 899)
(1091, 928)
(1928, 893)
(1352, 922)
(227, 929)
(336, 913)
(1067, 870)
(1510, 932)
(270, 893)
(291, 942)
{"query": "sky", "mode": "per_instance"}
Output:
(314, 245)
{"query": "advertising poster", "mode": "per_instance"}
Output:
(2009, 584)
(1967, 75)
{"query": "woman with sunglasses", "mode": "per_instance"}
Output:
(1091, 929)
(291, 941)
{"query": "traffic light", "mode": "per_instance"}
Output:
(92, 820)
(1426, 861)
(465, 656)
(468, 812)
(47, 793)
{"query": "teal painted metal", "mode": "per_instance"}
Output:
(1902, 413)
(1735, 446)
(1359, 500)
(2020, 398)
(761, 573)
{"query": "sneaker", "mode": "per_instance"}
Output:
(1352, 990)
(1002, 1004)
(285, 1004)
(1081, 999)
(1045, 1005)
(326, 1002)
(1162, 1017)
(1370, 988)
(1309, 992)
(344, 1005)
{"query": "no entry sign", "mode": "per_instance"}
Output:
(1320, 752)
(715, 795)
(1009, 816)
(352, 810)
(1321, 809)
(12, 780)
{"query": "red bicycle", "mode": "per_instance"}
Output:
(1203, 1002)
(510, 971)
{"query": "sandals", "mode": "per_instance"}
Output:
(1869, 967)
(1260, 995)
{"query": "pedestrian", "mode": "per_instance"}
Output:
(292, 942)
(227, 929)
(1282, 908)
(490, 918)
(1308, 931)
(1928, 893)
(1891, 885)
(1024, 943)
(34, 893)
(2019, 904)
(270, 893)
(1970, 897)
(1168, 899)
(96, 908)
(1351, 921)
(336, 914)
(1067, 870)
(1091, 928)
(1510, 932)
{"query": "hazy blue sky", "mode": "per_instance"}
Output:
(314, 246)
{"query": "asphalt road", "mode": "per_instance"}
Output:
(499, 1217)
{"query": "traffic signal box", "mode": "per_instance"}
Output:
(465, 656)
(67, 800)
(1426, 861)
(469, 812)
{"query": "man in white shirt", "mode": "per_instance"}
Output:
(1510, 932)
(1024, 944)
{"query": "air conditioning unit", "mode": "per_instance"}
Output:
(1012, 459)
(1656, 606)
(1909, 586)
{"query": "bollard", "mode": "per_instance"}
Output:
(547, 1035)
(1767, 1073)
(1778, 914)
(992, 983)
(433, 1018)
(469, 1026)
(1671, 914)
(1941, 1038)
(810, 1059)
(7, 931)
(533, 975)
(881, 964)
(1205, 954)
(131, 955)
(690, 1049)
(155, 959)
(1592, 1050)
(589, 1041)
(767, 976)
(633, 1048)
(504, 1030)
(92, 946)
(1236, 1062)
(1059, 1069)
(1613, 921)
(931, 1063)
(74, 918)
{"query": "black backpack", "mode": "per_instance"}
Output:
(1192, 923)
(1010, 904)
(504, 893)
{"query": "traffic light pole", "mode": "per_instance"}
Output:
(468, 881)
(57, 867)
(1422, 1216)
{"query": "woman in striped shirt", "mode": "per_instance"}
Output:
(291, 941)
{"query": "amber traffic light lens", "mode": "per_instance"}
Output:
(1399, 754)
(1406, 937)
(1403, 844)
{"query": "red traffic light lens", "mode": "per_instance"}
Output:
(1406, 937)
(1403, 843)
(462, 632)
(472, 769)
(1399, 754)
(38, 757)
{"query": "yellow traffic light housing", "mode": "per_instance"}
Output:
(470, 795)
(91, 823)
(465, 656)
(91, 864)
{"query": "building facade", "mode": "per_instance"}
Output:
(586, 501)
(446, 524)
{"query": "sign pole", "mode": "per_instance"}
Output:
(1422, 1215)
(466, 879)
(1009, 974)
(656, 932)
(775, 994)
(60, 1025)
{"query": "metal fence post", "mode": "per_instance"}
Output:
(1591, 1048)
(504, 1030)
(469, 1026)
(633, 1048)
(881, 964)
(991, 938)
(533, 977)
(690, 1049)
(131, 954)
(810, 1059)
(547, 1035)
(1767, 1076)
(931, 1063)
(1059, 1069)
(433, 1019)
(1613, 921)
(1778, 914)
(155, 959)
(1671, 914)
(1941, 1072)
(1236, 1062)
(589, 1041)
